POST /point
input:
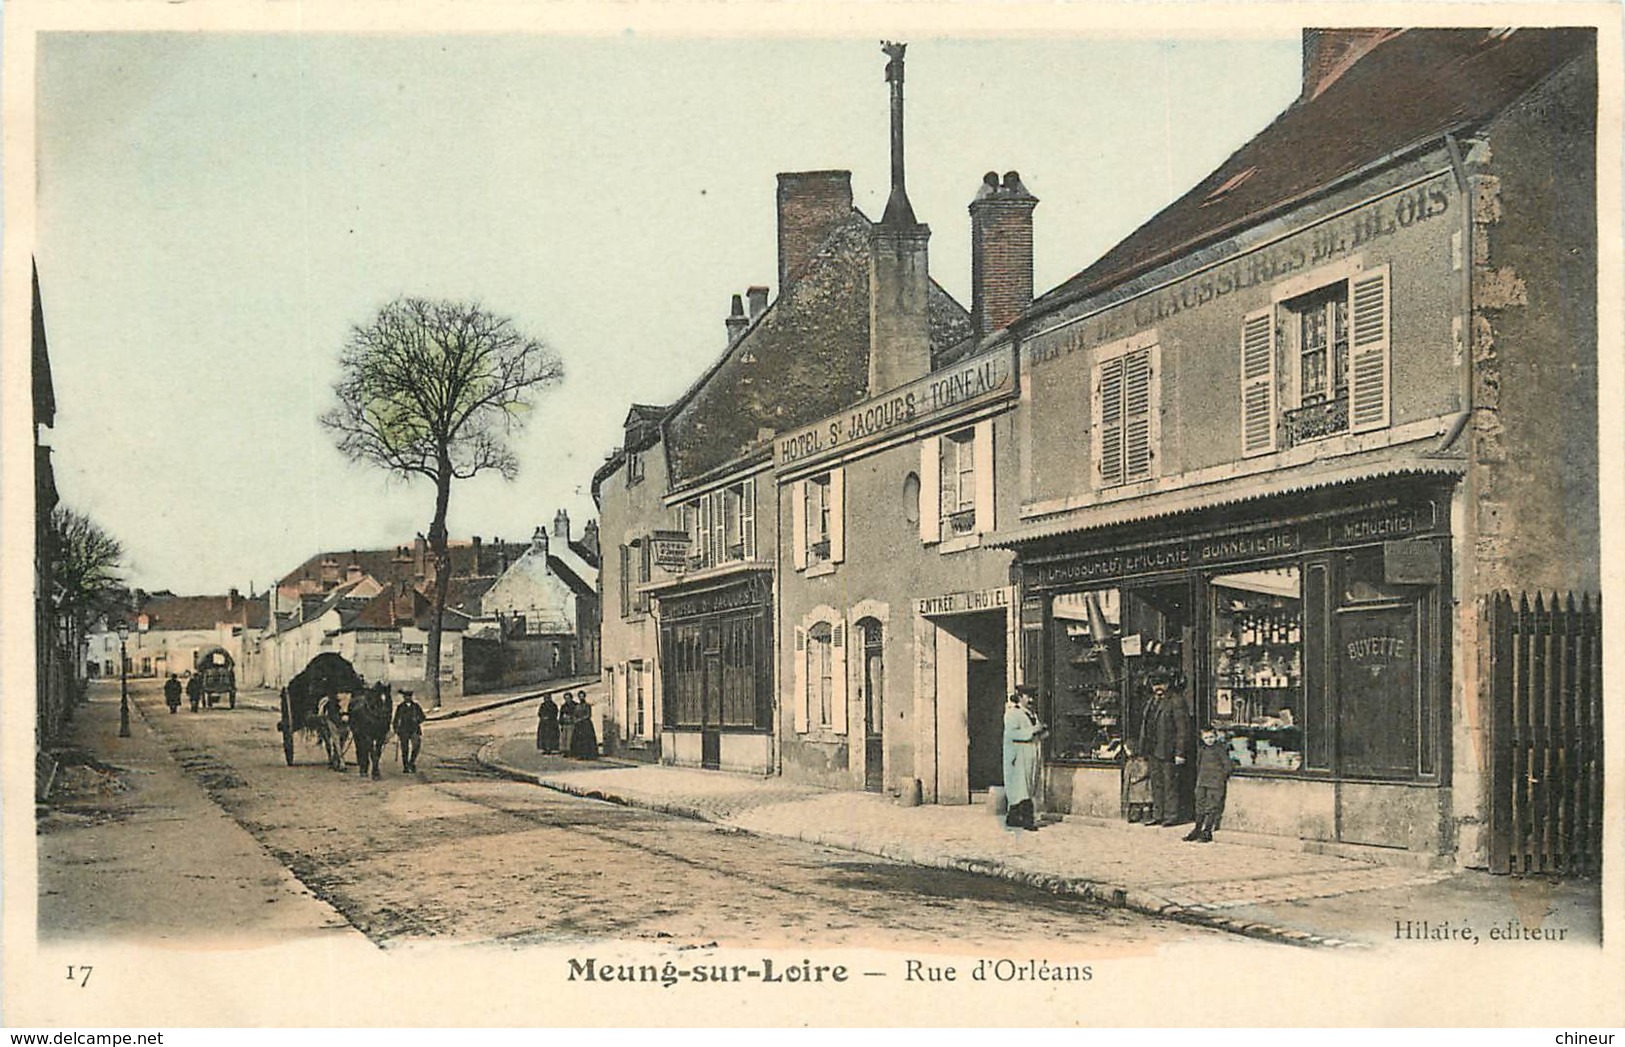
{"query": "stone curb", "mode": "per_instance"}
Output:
(1099, 891)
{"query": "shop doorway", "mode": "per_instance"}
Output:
(971, 677)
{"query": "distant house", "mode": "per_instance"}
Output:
(170, 634)
(539, 619)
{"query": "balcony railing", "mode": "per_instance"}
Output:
(1317, 420)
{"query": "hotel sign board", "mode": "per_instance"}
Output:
(964, 602)
(670, 549)
(982, 379)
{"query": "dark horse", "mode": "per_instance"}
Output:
(313, 702)
(370, 713)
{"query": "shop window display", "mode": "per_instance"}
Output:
(1257, 666)
(1105, 643)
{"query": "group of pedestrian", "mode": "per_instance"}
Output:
(566, 728)
(172, 692)
(1155, 764)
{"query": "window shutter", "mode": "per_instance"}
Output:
(1368, 351)
(622, 710)
(1109, 420)
(747, 518)
(930, 490)
(837, 515)
(801, 681)
(1258, 383)
(983, 452)
(837, 675)
(798, 524)
(1138, 377)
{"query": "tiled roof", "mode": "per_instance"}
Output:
(387, 566)
(201, 612)
(1408, 91)
(805, 357)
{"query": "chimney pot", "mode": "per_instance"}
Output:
(1001, 221)
(736, 322)
(758, 300)
(561, 525)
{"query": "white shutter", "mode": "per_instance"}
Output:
(837, 675)
(1368, 351)
(930, 490)
(1137, 382)
(1108, 408)
(798, 524)
(837, 515)
(983, 451)
(801, 680)
(1258, 383)
(621, 695)
(747, 518)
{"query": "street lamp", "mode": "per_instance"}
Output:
(123, 682)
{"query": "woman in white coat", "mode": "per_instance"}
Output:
(1021, 735)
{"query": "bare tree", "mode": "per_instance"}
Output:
(436, 388)
(85, 566)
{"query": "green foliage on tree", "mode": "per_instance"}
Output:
(437, 389)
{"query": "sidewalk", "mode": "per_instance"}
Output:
(132, 848)
(1286, 895)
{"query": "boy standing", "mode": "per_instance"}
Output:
(1212, 778)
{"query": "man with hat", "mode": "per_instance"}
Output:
(409, 717)
(1165, 735)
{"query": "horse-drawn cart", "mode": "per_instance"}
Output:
(219, 676)
(312, 702)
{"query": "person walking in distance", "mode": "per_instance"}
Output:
(567, 724)
(409, 717)
(1165, 741)
(172, 694)
(194, 690)
(547, 726)
(1021, 734)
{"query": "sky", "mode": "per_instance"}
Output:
(216, 210)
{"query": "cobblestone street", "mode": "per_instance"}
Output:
(456, 853)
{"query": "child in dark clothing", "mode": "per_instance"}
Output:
(1212, 778)
(1136, 784)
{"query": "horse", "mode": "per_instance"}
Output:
(369, 726)
(332, 730)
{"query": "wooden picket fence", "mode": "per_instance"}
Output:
(1545, 671)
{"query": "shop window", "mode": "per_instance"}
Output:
(818, 529)
(1125, 414)
(1332, 344)
(1257, 665)
(1106, 643)
(956, 486)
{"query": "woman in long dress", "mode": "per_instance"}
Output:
(1021, 734)
(547, 726)
(584, 745)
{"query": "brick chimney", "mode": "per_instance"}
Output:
(1001, 252)
(589, 537)
(899, 267)
(561, 526)
(737, 321)
(232, 596)
(811, 205)
(757, 296)
(1328, 54)
(538, 540)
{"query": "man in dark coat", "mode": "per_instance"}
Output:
(194, 690)
(172, 693)
(547, 726)
(1165, 736)
(409, 717)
